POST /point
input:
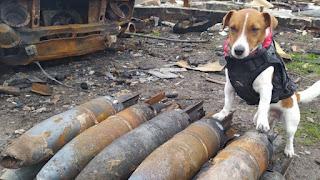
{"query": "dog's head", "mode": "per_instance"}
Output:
(247, 29)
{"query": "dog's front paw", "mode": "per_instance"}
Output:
(221, 115)
(289, 151)
(262, 124)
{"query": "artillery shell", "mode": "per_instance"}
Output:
(183, 155)
(43, 140)
(119, 159)
(75, 155)
(245, 158)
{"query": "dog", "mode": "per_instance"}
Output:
(250, 35)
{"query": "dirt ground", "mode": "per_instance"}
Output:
(124, 70)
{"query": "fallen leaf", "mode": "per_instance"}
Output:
(281, 52)
(183, 64)
(210, 67)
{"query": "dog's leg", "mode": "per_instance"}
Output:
(263, 85)
(291, 115)
(229, 94)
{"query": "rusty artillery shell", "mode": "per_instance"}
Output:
(182, 156)
(74, 156)
(245, 158)
(119, 159)
(43, 140)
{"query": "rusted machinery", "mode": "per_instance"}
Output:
(119, 159)
(74, 156)
(182, 156)
(43, 140)
(245, 158)
(40, 30)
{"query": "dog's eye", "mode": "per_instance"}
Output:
(254, 29)
(233, 29)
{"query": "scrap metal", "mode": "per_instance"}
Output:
(74, 156)
(43, 140)
(62, 29)
(41, 89)
(123, 156)
(245, 158)
(182, 156)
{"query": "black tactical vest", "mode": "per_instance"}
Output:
(243, 72)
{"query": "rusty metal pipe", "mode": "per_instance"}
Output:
(74, 156)
(182, 156)
(245, 158)
(43, 140)
(119, 159)
(25, 173)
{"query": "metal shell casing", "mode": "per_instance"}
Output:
(183, 155)
(43, 140)
(245, 158)
(123, 156)
(74, 156)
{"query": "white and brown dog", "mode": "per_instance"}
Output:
(248, 30)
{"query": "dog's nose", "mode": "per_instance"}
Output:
(239, 50)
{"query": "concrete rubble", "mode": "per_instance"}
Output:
(287, 18)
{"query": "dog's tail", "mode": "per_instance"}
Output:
(309, 94)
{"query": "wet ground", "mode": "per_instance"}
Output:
(124, 70)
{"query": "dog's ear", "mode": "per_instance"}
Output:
(270, 20)
(226, 18)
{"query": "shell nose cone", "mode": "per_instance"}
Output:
(8, 38)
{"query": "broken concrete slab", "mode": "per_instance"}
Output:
(166, 73)
(163, 75)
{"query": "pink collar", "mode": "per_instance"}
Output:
(266, 43)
